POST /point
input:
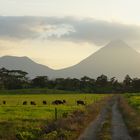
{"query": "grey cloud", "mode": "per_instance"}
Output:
(75, 30)
(32, 27)
(99, 32)
(18, 27)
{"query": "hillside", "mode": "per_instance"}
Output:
(25, 64)
(115, 59)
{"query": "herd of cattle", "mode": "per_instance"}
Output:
(56, 102)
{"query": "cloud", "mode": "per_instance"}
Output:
(15, 27)
(32, 28)
(67, 28)
(100, 32)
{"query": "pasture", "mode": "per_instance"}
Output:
(133, 100)
(28, 120)
(14, 108)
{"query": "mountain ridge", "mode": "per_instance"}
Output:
(26, 64)
(122, 57)
(115, 59)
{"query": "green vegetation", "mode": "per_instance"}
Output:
(134, 101)
(17, 79)
(37, 91)
(26, 122)
(14, 108)
(130, 107)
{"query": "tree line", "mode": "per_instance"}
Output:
(17, 79)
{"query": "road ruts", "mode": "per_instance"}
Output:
(119, 130)
(91, 131)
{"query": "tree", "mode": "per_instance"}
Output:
(102, 80)
(136, 85)
(87, 84)
(40, 81)
(12, 79)
(127, 83)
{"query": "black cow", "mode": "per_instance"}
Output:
(64, 101)
(25, 103)
(58, 102)
(33, 103)
(80, 102)
(4, 102)
(44, 102)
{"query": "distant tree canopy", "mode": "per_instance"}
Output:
(13, 79)
(17, 79)
(40, 81)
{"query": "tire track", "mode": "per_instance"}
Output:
(91, 131)
(119, 130)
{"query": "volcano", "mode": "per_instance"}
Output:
(116, 59)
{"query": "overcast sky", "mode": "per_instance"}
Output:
(60, 33)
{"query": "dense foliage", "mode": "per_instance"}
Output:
(17, 79)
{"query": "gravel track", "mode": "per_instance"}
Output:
(118, 129)
(91, 131)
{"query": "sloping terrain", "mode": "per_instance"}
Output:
(116, 59)
(25, 64)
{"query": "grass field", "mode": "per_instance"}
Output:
(27, 120)
(130, 107)
(134, 100)
(14, 108)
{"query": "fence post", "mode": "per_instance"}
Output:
(55, 112)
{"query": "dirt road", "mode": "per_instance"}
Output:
(118, 131)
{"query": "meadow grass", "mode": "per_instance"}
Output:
(130, 108)
(28, 120)
(14, 108)
(134, 100)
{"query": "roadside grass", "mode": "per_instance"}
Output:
(134, 101)
(71, 127)
(131, 116)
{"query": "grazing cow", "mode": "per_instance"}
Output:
(4, 102)
(33, 103)
(25, 103)
(64, 101)
(80, 102)
(44, 102)
(57, 102)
